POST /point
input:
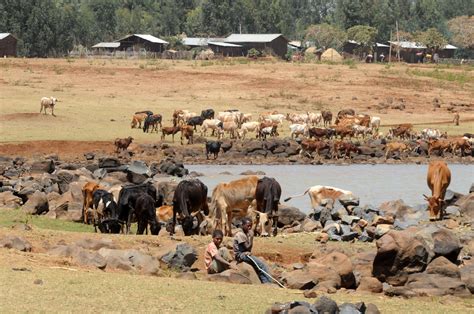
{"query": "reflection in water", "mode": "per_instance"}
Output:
(374, 184)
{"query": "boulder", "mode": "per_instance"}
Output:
(182, 258)
(446, 244)
(399, 254)
(467, 276)
(342, 265)
(370, 284)
(299, 279)
(466, 205)
(287, 215)
(14, 242)
(310, 225)
(442, 266)
(109, 162)
(348, 308)
(326, 305)
(96, 244)
(42, 166)
(64, 178)
(8, 200)
(349, 200)
(133, 258)
(37, 204)
(422, 284)
(86, 258)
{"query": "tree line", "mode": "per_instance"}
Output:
(54, 27)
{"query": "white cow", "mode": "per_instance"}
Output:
(361, 130)
(213, 124)
(318, 193)
(430, 134)
(276, 118)
(375, 123)
(248, 127)
(297, 117)
(297, 129)
(314, 118)
(48, 102)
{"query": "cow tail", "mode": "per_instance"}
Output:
(299, 195)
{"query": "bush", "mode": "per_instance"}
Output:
(253, 53)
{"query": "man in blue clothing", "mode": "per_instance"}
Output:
(243, 242)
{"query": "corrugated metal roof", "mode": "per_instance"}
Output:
(448, 46)
(107, 45)
(221, 44)
(252, 38)
(295, 43)
(381, 45)
(146, 37)
(408, 44)
(199, 41)
(3, 35)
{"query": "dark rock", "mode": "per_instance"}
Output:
(109, 162)
(446, 244)
(372, 309)
(136, 178)
(43, 166)
(64, 178)
(466, 205)
(37, 204)
(451, 197)
(183, 258)
(422, 284)
(292, 150)
(14, 242)
(100, 173)
(253, 146)
(89, 156)
(96, 244)
(287, 215)
(348, 200)
(326, 305)
(139, 167)
(442, 266)
(348, 308)
(252, 173)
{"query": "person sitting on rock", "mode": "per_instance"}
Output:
(216, 258)
(243, 242)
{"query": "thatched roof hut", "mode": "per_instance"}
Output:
(331, 55)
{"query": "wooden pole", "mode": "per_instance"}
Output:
(390, 49)
(398, 40)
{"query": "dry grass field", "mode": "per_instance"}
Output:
(98, 96)
(68, 287)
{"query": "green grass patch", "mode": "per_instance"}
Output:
(11, 217)
(458, 77)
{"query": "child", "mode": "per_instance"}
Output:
(216, 258)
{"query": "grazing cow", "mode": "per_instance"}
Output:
(363, 130)
(441, 145)
(227, 196)
(152, 121)
(48, 103)
(104, 206)
(395, 147)
(169, 130)
(195, 121)
(137, 119)
(213, 124)
(327, 117)
(213, 147)
(345, 112)
(190, 198)
(402, 131)
(344, 131)
(462, 144)
(88, 199)
(298, 129)
(345, 147)
(146, 214)
(268, 131)
(314, 118)
(164, 213)
(318, 193)
(308, 146)
(230, 127)
(430, 134)
(188, 133)
(122, 143)
(297, 118)
(207, 114)
(176, 115)
(247, 117)
(127, 200)
(319, 133)
(248, 127)
(438, 180)
(375, 123)
(267, 196)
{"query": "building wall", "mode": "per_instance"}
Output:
(137, 42)
(279, 46)
(8, 46)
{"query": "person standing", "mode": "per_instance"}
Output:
(243, 242)
(456, 118)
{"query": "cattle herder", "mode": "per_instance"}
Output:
(216, 258)
(243, 242)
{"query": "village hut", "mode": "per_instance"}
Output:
(277, 43)
(8, 44)
(331, 55)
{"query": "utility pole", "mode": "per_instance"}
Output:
(390, 49)
(398, 40)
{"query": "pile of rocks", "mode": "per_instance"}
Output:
(322, 305)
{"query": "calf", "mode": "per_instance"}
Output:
(213, 147)
(169, 130)
(104, 207)
(462, 144)
(213, 124)
(137, 119)
(146, 214)
(309, 146)
(187, 132)
(123, 143)
(298, 129)
(395, 147)
(270, 130)
(441, 145)
(319, 133)
(318, 193)
(267, 196)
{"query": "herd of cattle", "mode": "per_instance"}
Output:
(187, 203)
(314, 131)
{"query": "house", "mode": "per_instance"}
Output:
(8, 44)
(137, 42)
(409, 49)
(351, 46)
(226, 49)
(277, 43)
(106, 47)
(199, 42)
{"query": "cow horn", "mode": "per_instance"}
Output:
(426, 197)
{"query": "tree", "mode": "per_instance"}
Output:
(431, 38)
(327, 36)
(364, 35)
(462, 30)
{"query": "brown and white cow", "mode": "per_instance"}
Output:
(318, 193)
(438, 180)
(88, 196)
(227, 196)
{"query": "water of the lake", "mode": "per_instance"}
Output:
(374, 184)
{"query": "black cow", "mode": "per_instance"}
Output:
(320, 132)
(267, 196)
(213, 147)
(146, 214)
(189, 197)
(104, 206)
(148, 112)
(196, 121)
(152, 121)
(110, 225)
(207, 114)
(127, 199)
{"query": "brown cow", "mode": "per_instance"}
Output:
(318, 193)
(164, 213)
(441, 145)
(187, 131)
(88, 197)
(309, 146)
(462, 144)
(137, 119)
(402, 131)
(396, 147)
(169, 130)
(327, 117)
(227, 196)
(438, 180)
(123, 143)
(344, 131)
(345, 147)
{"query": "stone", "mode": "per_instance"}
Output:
(37, 204)
(310, 225)
(96, 244)
(14, 242)
(10, 201)
(422, 284)
(382, 229)
(371, 309)
(452, 211)
(446, 244)
(310, 294)
(442, 266)
(349, 199)
(287, 215)
(182, 258)
(370, 284)
(42, 166)
(379, 220)
(342, 265)
(348, 308)
(86, 258)
(100, 173)
(326, 305)
(467, 276)
(349, 220)
(109, 162)
(299, 279)
(466, 205)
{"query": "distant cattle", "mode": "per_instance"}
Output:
(152, 122)
(320, 133)
(308, 146)
(403, 131)
(395, 147)
(207, 114)
(190, 198)
(137, 119)
(194, 121)
(104, 206)
(122, 143)
(327, 117)
(345, 147)
(188, 133)
(462, 144)
(438, 179)
(345, 112)
(212, 124)
(169, 130)
(441, 145)
(213, 147)
(48, 102)
(268, 131)
(318, 193)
